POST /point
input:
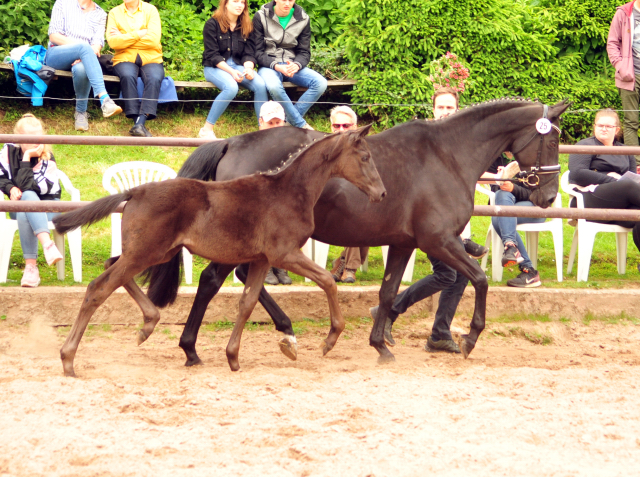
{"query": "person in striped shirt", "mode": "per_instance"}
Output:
(76, 37)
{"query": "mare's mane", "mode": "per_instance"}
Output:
(491, 103)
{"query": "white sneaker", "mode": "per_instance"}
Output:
(306, 126)
(30, 277)
(207, 134)
(51, 253)
(109, 108)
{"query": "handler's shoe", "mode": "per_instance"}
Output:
(528, 278)
(271, 278)
(349, 276)
(110, 108)
(338, 269)
(474, 250)
(388, 337)
(30, 277)
(51, 253)
(511, 255)
(448, 346)
(282, 276)
(81, 121)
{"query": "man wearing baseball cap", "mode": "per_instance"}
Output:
(271, 115)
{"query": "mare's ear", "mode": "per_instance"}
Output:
(364, 130)
(559, 108)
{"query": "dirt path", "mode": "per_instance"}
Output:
(514, 408)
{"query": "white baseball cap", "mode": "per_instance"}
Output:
(270, 110)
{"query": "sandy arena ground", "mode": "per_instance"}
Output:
(513, 408)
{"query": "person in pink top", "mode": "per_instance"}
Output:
(623, 48)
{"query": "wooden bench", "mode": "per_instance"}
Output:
(180, 85)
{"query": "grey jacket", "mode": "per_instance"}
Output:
(275, 44)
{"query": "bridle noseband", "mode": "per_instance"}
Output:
(532, 176)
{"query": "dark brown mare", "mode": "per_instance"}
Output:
(429, 169)
(263, 219)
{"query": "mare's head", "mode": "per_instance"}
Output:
(352, 160)
(535, 147)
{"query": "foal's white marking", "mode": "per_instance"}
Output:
(246, 290)
(387, 278)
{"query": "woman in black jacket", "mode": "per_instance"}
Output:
(29, 172)
(598, 176)
(229, 60)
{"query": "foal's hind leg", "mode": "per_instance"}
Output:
(150, 313)
(97, 292)
(257, 273)
(299, 263)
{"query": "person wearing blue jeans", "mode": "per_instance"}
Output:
(283, 51)
(76, 36)
(514, 249)
(32, 224)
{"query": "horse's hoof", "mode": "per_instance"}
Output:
(194, 362)
(142, 337)
(466, 346)
(289, 347)
(386, 359)
(326, 347)
(69, 373)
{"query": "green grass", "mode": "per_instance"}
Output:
(621, 318)
(516, 317)
(85, 166)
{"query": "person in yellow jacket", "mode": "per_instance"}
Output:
(134, 31)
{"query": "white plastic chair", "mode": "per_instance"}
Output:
(316, 251)
(125, 175)
(585, 235)
(8, 228)
(531, 232)
(408, 272)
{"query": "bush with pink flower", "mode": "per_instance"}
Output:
(448, 71)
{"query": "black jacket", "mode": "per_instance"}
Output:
(587, 169)
(520, 192)
(219, 47)
(20, 174)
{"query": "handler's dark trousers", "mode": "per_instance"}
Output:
(445, 279)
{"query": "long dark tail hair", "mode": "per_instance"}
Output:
(91, 213)
(203, 162)
(165, 278)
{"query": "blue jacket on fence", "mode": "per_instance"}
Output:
(32, 79)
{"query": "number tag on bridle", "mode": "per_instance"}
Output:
(543, 126)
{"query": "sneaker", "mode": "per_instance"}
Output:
(51, 253)
(81, 121)
(388, 337)
(338, 269)
(306, 126)
(282, 276)
(448, 346)
(30, 277)
(511, 255)
(110, 108)
(139, 131)
(271, 279)
(528, 278)
(474, 250)
(349, 276)
(207, 134)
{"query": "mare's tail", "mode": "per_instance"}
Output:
(203, 162)
(91, 213)
(165, 278)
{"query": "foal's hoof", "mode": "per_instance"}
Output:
(69, 372)
(194, 362)
(386, 359)
(289, 347)
(466, 346)
(142, 337)
(326, 347)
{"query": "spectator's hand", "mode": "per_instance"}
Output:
(507, 186)
(114, 31)
(142, 32)
(33, 152)
(615, 175)
(248, 70)
(638, 170)
(282, 69)
(237, 76)
(15, 193)
(76, 62)
(96, 49)
(292, 69)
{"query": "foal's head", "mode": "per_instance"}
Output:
(352, 161)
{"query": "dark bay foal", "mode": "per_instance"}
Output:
(263, 219)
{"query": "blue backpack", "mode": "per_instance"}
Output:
(32, 76)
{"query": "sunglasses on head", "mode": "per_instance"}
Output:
(342, 126)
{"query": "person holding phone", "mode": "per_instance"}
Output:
(228, 60)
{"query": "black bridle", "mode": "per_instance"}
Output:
(532, 177)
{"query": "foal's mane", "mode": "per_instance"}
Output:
(284, 165)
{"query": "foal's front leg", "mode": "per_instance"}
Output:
(255, 279)
(298, 263)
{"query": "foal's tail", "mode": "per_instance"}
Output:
(91, 213)
(203, 162)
